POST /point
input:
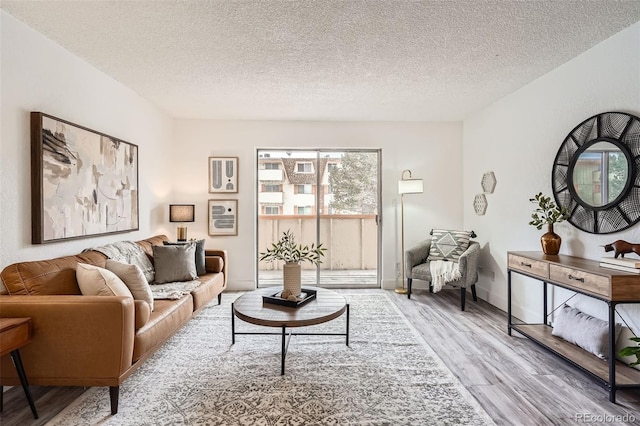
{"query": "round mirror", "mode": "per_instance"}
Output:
(600, 174)
(595, 173)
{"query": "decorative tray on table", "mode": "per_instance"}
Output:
(305, 296)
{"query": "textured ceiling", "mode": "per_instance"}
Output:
(326, 60)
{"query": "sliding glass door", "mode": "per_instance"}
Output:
(330, 197)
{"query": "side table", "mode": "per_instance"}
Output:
(14, 334)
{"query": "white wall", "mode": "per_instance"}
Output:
(431, 151)
(518, 138)
(39, 75)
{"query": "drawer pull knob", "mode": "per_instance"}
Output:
(528, 265)
(571, 277)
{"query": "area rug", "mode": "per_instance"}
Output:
(387, 375)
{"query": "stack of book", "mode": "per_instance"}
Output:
(621, 264)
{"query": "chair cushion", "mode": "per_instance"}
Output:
(448, 244)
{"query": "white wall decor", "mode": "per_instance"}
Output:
(480, 204)
(488, 182)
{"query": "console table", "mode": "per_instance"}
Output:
(14, 334)
(586, 277)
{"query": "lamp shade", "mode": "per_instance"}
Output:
(410, 186)
(182, 212)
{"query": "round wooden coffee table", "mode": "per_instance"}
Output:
(326, 306)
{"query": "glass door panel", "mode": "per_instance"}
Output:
(328, 197)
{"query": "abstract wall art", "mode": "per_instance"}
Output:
(223, 174)
(83, 183)
(223, 217)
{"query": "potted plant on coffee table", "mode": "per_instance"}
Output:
(292, 254)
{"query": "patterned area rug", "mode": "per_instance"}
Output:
(387, 375)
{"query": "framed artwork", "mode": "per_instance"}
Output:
(223, 217)
(83, 183)
(223, 174)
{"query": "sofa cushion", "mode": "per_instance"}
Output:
(165, 320)
(142, 312)
(212, 285)
(174, 263)
(448, 244)
(147, 244)
(133, 278)
(46, 277)
(96, 281)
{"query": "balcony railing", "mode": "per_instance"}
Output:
(270, 197)
(270, 175)
(351, 240)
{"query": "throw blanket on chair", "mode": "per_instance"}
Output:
(443, 272)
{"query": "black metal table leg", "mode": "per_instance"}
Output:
(544, 309)
(347, 336)
(233, 326)
(612, 351)
(509, 302)
(17, 362)
(284, 351)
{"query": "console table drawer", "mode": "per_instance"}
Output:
(529, 266)
(580, 279)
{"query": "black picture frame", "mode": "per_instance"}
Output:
(84, 183)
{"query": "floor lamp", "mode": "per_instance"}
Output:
(406, 186)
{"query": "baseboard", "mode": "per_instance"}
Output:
(244, 285)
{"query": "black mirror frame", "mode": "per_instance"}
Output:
(621, 129)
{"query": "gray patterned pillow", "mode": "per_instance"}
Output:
(591, 334)
(448, 245)
(175, 263)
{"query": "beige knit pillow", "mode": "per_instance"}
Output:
(133, 278)
(96, 281)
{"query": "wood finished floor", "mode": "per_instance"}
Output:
(515, 381)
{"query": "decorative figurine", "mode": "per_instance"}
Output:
(622, 247)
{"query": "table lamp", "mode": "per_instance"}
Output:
(182, 213)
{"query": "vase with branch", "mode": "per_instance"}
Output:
(292, 254)
(548, 213)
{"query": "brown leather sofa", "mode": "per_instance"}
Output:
(93, 340)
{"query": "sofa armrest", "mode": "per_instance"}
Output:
(216, 261)
(468, 263)
(76, 340)
(142, 313)
(417, 254)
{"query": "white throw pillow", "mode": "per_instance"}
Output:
(96, 281)
(448, 244)
(590, 333)
(134, 279)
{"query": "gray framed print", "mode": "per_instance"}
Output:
(83, 183)
(223, 217)
(223, 174)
